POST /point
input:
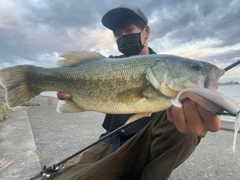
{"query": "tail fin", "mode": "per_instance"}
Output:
(14, 80)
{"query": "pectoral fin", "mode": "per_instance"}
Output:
(138, 116)
(132, 96)
(68, 106)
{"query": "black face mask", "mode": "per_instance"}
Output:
(130, 44)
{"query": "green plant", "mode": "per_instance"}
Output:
(4, 112)
(42, 157)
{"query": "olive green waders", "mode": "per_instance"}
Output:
(154, 152)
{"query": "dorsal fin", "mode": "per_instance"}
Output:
(74, 57)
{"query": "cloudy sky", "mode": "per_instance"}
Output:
(38, 31)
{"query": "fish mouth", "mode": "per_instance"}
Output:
(211, 81)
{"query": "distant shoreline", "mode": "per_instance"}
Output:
(228, 84)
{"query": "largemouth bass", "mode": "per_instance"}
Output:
(138, 84)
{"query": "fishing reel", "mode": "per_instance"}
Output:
(47, 172)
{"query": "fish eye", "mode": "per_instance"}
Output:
(197, 65)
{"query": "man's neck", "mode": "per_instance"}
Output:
(145, 51)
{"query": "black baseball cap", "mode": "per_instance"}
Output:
(124, 11)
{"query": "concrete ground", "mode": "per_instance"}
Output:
(38, 135)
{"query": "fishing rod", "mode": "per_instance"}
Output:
(47, 172)
(227, 69)
(232, 65)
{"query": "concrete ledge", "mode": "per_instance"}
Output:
(17, 145)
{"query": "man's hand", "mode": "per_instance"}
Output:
(63, 96)
(193, 118)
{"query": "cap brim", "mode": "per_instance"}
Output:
(115, 16)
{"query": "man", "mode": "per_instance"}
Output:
(153, 146)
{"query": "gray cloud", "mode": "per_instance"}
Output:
(39, 28)
(229, 55)
(198, 21)
(64, 14)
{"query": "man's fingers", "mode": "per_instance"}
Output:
(63, 96)
(176, 116)
(195, 123)
(211, 121)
